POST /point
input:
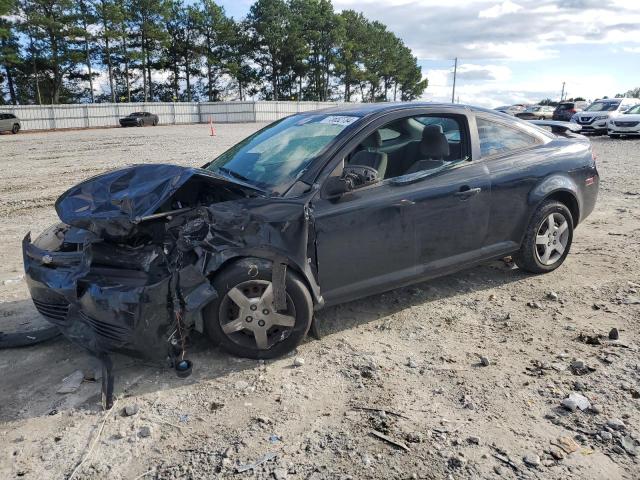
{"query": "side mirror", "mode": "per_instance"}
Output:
(335, 187)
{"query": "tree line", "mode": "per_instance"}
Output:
(68, 51)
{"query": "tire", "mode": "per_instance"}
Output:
(155, 123)
(238, 331)
(15, 129)
(532, 256)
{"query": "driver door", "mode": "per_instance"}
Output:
(364, 242)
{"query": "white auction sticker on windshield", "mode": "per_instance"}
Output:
(339, 120)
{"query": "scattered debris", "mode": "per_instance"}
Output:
(252, 466)
(614, 334)
(552, 296)
(390, 440)
(629, 445)
(556, 453)
(568, 444)
(575, 401)
(298, 362)
(380, 409)
(616, 424)
(131, 410)
(579, 367)
(71, 383)
(484, 361)
(145, 431)
(531, 459)
(593, 339)
(506, 460)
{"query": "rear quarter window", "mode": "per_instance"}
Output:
(496, 138)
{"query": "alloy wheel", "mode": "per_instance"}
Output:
(552, 238)
(247, 316)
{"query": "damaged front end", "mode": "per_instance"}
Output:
(129, 268)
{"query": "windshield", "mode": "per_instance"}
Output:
(635, 109)
(565, 106)
(137, 114)
(277, 155)
(603, 107)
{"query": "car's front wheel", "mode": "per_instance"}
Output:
(243, 320)
(15, 129)
(548, 239)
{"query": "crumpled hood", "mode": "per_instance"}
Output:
(112, 202)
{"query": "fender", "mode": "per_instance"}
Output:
(554, 185)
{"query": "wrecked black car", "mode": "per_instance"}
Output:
(315, 209)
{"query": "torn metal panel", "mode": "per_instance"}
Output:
(130, 268)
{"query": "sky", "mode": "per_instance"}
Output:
(511, 51)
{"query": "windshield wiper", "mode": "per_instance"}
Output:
(235, 175)
(231, 175)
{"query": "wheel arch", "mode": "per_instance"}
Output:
(560, 188)
(272, 256)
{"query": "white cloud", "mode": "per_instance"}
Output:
(492, 39)
(528, 29)
(499, 10)
(503, 90)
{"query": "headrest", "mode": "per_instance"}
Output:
(434, 143)
(372, 141)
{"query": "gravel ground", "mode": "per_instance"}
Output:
(466, 374)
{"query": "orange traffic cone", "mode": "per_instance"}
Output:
(213, 130)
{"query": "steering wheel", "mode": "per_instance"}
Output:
(359, 175)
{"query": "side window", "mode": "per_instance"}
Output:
(497, 138)
(424, 143)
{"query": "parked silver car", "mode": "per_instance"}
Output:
(9, 123)
(594, 118)
(537, 112)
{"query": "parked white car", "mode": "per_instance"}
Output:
(9, 123)
(594, 118)
(626, 124)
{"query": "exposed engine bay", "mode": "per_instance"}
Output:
(129, 268)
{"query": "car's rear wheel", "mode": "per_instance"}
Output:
(15, 129)
(243, 320)
(548, 239)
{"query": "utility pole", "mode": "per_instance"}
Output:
(562, 94)
(455, 71)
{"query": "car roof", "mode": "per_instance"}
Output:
(365, 109)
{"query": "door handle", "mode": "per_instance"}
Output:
(404, 203)
(466, 192)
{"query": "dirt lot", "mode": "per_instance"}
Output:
(413, 354)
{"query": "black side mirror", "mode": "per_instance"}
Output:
(335, 187)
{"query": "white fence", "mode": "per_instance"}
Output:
(47, 117)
